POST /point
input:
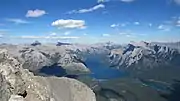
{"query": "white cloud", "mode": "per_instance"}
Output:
(122, 33)
(127, 0)
(114, 25)
(67, 33)
(130, 35)
(85, 34)
(67, 37)
(30, 37)
(164, 28)
(123, 25)
(150, 24)
(117, 25)
(177, 2)
(101, 1)
(87, 10)
(106, 35)
(35, 13)
(17, 21)
(127, 34)
(1, 35)
(3, 30)
(53, 34)
(175, 21)
(160, 26)
(137, 23)
(143, 34)
(178, 23)
(49, 37)
(80, 24)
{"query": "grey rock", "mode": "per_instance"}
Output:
(66, 89)
(16, 98)
(18, 84)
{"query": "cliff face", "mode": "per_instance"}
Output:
(18, 84)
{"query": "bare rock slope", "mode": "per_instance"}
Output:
(18, 84)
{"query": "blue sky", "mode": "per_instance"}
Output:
(89, 21)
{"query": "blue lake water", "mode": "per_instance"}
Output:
(53, 70)
(100, 69)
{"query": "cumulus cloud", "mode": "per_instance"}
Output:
(49, 37)
(71, 24)
(87, 10)
(17, 21)
(35, 13)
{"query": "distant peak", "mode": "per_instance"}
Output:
(141, 43)
(62, 43)
(36, 43)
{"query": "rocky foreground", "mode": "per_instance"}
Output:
(18, 84)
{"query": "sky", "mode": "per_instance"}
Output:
(89, 21)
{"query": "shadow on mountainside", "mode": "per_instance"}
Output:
(174, 94)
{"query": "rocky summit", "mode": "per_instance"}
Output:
(18, 84)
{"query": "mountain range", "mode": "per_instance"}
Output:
(52, 64)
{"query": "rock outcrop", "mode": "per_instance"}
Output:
(18, 84)
(16, 81)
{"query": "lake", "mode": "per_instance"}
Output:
(100, 69)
